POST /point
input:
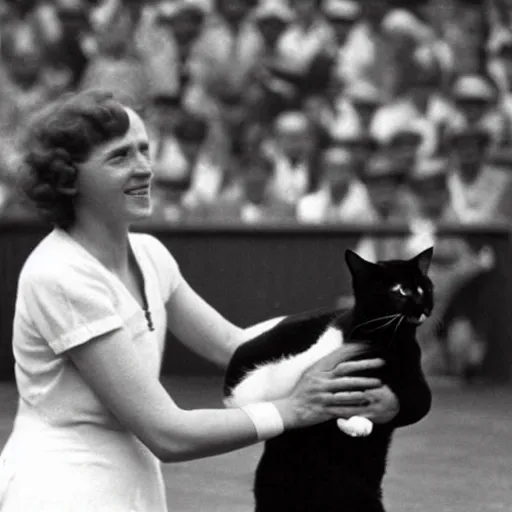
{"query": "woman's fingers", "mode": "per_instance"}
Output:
(345, 398)
(345, 412)
(351, 383)
(344, 353)
(349, 367)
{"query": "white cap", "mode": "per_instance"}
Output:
(364, 92)
(273, 9)
(337, 155)
(341, 10)
(473, 87)
(348, 128)
(403, 22)
(169, 9)
(292, 121)
(428, 168)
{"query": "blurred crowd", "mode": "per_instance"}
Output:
(263, 111)
(305, 111)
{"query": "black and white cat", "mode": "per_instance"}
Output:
(338, 465)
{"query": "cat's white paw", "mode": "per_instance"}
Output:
(356, 426)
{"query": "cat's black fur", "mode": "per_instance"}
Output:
(320, 468)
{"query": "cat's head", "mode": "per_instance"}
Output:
(393, 287)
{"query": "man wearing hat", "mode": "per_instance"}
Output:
(340, 196)
(179, 167)
(350, 134)
(477, 188)
(387, 202)
(370, 49)
(476, 99)
(307, 37)
(420, 106)
(169, 38)
(292, 148)
(342, 15)
(250, 203)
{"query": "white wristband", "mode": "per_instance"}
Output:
(266, 418)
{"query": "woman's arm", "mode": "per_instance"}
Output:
(203, 329)
(112, 368)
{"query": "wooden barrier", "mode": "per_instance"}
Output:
(250, 274)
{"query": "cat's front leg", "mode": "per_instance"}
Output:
(356, 426)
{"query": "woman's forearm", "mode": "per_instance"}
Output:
(207, 432)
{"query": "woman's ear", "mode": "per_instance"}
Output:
(66, 180)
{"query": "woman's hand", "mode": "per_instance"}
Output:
(383, 405)
(327, 391)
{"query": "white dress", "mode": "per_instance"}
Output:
(67, 452)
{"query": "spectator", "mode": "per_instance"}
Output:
(421, 105)
(369, 51)
(386, 186)
(467, 32)
(191, 134)
(169, 41)
(365, 100)
(228, 47)
(72, 47)
(342, 15)
(477, 189)
(361, 144)
(386, 190)
(429, 184)
(168, 196)
(293, 148)
(309, 36)
(340, 196)
(403, 146)
(252, 204)
(163, 116)
(271, 19)
(476, 99)
(26, 84)
(118, 66)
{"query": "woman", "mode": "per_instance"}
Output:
(93, 303)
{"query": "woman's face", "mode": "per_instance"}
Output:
(113, 184)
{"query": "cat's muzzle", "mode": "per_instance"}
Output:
(417, 320)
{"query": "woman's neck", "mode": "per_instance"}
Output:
(107, 244)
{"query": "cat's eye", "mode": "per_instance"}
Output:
(398, 288)
(420, 291)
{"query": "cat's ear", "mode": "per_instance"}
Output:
(423, 260)
(358, 266)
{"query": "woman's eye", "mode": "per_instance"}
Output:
(119, 157)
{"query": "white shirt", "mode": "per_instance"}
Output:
(478, 201)
(67, 451)
(403, 113)
(298, 46)
(318, 207)
(290, 182)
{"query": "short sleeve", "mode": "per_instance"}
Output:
(70, 307)
(165, 266)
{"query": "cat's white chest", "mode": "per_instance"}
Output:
(276, 379)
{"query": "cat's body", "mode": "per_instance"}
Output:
(321, 468)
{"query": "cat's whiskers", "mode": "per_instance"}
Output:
(402, 318)
(385, 325)
(386, 317)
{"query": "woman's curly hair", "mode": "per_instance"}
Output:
(59, 136)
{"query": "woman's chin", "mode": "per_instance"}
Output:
(141, 213)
